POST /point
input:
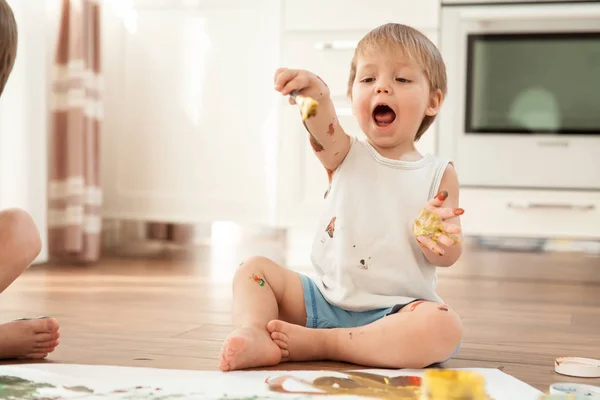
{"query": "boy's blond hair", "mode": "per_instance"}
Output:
(8, 42)
(402, 38)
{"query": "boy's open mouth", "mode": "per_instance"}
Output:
(383, 115)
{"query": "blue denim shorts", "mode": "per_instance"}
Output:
(320, 314)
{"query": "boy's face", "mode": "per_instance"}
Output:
(390, 98)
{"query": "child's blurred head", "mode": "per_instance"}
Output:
(397, 83)
(8, 42)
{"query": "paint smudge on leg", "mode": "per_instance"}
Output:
(330, 129)
(350, 335)
(415, 305)
(331, 227)
(258, 279)
(443, 307)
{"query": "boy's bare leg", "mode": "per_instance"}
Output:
(262, 291)
(20, 244)
(421, 334)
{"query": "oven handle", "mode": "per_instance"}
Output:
(560, 206)
(584, 11)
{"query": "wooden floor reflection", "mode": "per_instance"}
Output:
(520, 310)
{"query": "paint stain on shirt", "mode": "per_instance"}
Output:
(363, 265)
(331, 227)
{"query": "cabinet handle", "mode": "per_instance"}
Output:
(553, 143)
(559, 206)
(336, 45)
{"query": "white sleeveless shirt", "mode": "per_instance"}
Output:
(364, 252)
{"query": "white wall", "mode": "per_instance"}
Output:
(23, 120)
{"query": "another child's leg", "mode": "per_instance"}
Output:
(421, 334)
(19, 246)
(262, 291)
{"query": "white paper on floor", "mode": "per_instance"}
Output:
(70, 381)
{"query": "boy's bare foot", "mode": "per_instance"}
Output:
(299, 343)
(248, 347)
(31, 338)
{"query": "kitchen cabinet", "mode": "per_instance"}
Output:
(530, 213)
(190, 131)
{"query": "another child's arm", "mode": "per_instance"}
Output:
(329, 141)
(445, 251)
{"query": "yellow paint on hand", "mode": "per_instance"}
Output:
(429, 224)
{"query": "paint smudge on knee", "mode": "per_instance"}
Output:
(330, 129)
(331, 227)
(443, 307)
(258, 279)
(415, 305)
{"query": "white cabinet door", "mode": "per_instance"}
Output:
(190, 128)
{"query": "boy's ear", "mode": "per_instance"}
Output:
(435, 102)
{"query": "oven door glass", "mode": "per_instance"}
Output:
(533, 83)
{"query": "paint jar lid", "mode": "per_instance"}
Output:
(577, 366)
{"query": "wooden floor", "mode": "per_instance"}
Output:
(520, 310)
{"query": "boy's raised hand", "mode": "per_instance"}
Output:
(432, 227)
(308, 84)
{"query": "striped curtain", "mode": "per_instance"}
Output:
(74, 193)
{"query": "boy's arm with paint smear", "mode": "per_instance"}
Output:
(329, 141)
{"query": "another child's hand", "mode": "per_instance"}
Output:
(431, 228)
(307, 83)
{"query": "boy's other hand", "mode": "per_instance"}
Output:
(444, 234)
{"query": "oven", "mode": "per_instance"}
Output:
(523, 103)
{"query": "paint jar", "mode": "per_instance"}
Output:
(439, 384)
